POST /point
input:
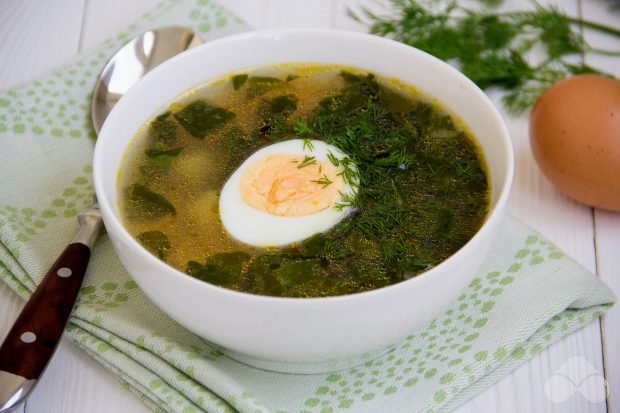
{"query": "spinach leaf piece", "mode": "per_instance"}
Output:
(295, 272)
(223, 269)
(163, 158)
(162, 130)
(200, 118)
(258, 278)
(156, 242)
(369, 274)
(239, 146)
(364, 86)
(313, 246)
(236, 137)
(276, 110)
(358, 92)
(143, 203)
(257, 85)
(291, 77)
(283, 106)
(273, 115)
(445, 222)
(239, 80)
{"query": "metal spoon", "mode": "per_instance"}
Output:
(30, 344)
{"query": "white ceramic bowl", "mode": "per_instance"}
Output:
(292, 334)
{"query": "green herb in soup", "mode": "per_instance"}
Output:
(419, 190)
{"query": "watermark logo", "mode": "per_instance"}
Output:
(577, 375)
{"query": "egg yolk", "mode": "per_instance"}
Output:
(291, 186)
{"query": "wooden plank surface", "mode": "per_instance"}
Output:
(75, 383)
(608, 251)
(36, 36)
(607, 224)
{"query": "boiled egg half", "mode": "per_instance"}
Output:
(287, 192)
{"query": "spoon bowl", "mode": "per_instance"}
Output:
(133, 61)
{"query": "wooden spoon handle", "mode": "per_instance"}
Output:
(38, 328)
(32, 340)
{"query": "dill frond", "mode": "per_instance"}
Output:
(307, 161)
(491, 47)
(308, 144)
(324, 181)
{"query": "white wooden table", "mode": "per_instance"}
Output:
(36, 36)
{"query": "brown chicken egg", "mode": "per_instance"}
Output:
(575, 137)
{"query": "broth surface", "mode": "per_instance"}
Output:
(423, 191)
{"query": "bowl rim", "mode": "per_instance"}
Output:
(491, 221)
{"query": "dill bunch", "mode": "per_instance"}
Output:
(491, 47)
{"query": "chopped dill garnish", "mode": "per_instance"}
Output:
(346, 201)
(419, 189)
(324, 181)
(302, 130)
(349, 173)
(332, 158)
(307, 161)
(308, 144)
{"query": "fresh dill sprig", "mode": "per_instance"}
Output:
(324, 181)
(491, 47)
(307, 161)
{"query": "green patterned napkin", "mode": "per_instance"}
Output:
(526, 296)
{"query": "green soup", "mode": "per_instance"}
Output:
(423, 189)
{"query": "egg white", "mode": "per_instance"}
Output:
(254, 227)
